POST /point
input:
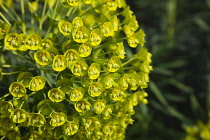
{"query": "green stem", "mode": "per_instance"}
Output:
(69, 101)
(11, 73)
(5, 9)
(17, 16)
(56, 9)
(5, 19)
(86, 11)
(171, 19)
(23, 16)
(127, 62)
(4, 96)
(45, 6)
(21, 104)
(31, 94)
(69, 11)
(22, 9)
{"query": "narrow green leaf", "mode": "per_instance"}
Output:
(158, 93)
(181, 86)
(177, 114)
(201, 23)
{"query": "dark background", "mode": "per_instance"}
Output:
(178, 36)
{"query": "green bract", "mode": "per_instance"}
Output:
(68, 67)
(71, 127)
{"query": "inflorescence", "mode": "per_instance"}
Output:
(80, 81)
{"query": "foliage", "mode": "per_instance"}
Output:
(67, 71)
(178, 37)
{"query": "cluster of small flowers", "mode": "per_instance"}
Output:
(201, 131)
(96, 86)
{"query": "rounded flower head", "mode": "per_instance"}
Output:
(77, 21)
(77, 78)
(6, 108)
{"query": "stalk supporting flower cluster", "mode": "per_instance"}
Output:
(77, 81)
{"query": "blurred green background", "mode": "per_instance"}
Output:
(178, 36)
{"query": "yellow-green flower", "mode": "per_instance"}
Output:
(77, 94)
(56, 95)
(37, 83)
(17, 89)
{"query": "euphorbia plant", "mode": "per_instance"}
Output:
(65, 72)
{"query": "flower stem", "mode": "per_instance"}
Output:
(127, 62)
(5, 19)
(11, 73)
